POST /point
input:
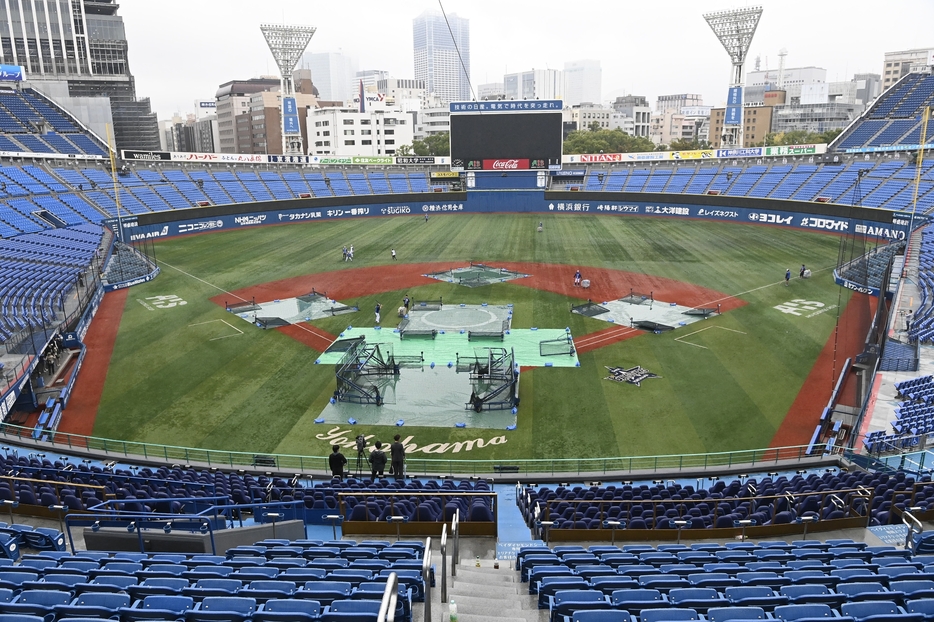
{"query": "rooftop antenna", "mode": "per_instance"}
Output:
(782, 53)
(287, 44)
(758, 62)
(735, 29)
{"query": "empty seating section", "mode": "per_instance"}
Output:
(658, 180)
(418, 182)
(636, 180)
(254, 186)
(55, 117)
(358, 183)
(771, 500)
(701, 180)
(862, 133)
(891, 134)
(398, 183)
(745, 180)
(275, 580)
(233, 187)
(276, 185)
(158, 490)
(14, 103)
(38, 270)
(773, 580)
(87, 191)
(211, 188)
(894, 119)
(296, 183)
(916, 99)
(769, 180)
(86, 144)
(378, 182)
(680, 179)
(888, 102)
(60, 144)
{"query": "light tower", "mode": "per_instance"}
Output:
(287, 44)
(734, 29)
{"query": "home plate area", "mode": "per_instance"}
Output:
(445, 365)
(644, 312)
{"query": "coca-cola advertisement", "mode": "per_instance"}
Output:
(510, 164)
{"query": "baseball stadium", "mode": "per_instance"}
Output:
(699, 382)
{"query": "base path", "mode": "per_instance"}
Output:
(798, 425)
(79, 417)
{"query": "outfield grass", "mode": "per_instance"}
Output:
(182, 376)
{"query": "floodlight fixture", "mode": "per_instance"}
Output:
(287, 44)
(734, 29)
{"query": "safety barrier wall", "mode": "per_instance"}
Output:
(873, 223)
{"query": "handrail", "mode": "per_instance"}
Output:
(914, 527)
(426, 578)
(387, 606)
(63, 441)
(456, 534)
(444, 563)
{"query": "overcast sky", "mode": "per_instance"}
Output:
(181, 50)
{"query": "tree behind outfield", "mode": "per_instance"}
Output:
(606, 141)
(798, 137)
(434, 145)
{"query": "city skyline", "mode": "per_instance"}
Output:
(642, 50)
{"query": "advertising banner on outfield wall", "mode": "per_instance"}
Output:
(700, 154)
(519, 202)
(259, 158)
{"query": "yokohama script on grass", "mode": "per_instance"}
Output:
(346, 439)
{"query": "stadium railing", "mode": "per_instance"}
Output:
(150, 452)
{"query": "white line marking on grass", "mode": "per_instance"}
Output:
(238, 333)
(596, 338)
(203, 281)
(683, 337)
(755, 289)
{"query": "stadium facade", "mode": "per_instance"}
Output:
(77, 54)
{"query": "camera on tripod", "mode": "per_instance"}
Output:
(360, 442)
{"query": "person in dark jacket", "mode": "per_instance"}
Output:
(397, 455)
(337, 461)
(377, 461)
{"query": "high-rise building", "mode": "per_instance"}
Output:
(334, 74)
(583, 82)
(897, 64)
(534, 84)
(76, 53)
(442, 55)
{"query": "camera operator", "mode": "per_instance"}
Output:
(360, 444)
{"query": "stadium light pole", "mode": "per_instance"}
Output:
(735, 29)
(287, 44)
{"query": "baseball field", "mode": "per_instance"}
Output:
(184, 371)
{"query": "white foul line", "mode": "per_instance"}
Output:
(239, 332)
(203, 281)
(681, 339)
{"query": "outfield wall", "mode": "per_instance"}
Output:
(882, 224)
